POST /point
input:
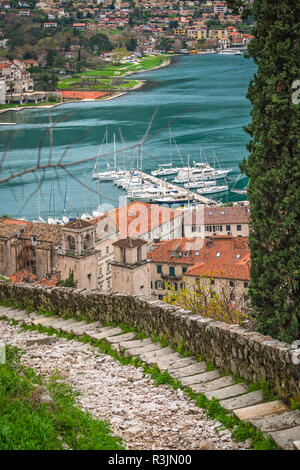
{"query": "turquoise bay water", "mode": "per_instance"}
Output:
(203, 97)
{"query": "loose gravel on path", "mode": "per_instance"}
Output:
(146, 417)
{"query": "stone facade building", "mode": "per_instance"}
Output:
(129, 270)
(220, 261)
(217, 220)
(140, 220)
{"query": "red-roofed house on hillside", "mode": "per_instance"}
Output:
(217, 220)
(221, 261)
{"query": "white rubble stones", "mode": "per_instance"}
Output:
(146, 417)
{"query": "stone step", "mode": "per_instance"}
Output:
(136, 352)
(7, 312)
(222, 382)
(44, 321)
(197, 368)
(16, 315)
(137, 343)
(119, 338)
(34, 316)
(167, 362)
(278, 422)
(151, 358)
(106, 333)
(60, 322)
(285, 439)
(297, 445)
(260, 411)
(200, 378)
(73, 327)
(227, 392)
(180, 362)
(86, 329)
(252, 398)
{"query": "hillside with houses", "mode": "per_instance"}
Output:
(44, 43)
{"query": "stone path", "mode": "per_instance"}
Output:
(272, 418)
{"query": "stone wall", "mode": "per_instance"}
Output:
(249, 355)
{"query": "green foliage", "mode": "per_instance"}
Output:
(201, 299)
(273, 167)
(268, 395)
(212, 407)
(69, 282)
(28, 424)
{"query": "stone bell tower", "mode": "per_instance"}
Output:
(130, 270)
(78, 253)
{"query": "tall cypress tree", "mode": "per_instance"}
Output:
(273, 167)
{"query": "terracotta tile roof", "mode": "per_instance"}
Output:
(43, 232)
(82, 95)
(48, 282)
(130, 243)
(221, 256)
(218, 215)
(22, 276)
(226, 257)
(10, 227)
(134, 220)
(178, 250)
(78, 224)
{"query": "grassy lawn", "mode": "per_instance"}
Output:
(113, 72)
(28, 424)
(98, 84)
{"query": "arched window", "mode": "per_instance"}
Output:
(87, 242)
(70, 242)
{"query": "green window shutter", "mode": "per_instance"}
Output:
(155, 284)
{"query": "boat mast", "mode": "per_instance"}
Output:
(188, 181)
(170, 141)
(115, 155)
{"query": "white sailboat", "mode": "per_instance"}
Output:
(212, 189)
(201, 172)
(165, 169)
(230, 52)
(109, 175)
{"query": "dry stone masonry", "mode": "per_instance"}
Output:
(273, 417)
(231, 349)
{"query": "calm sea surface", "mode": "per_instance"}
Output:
(202, 97)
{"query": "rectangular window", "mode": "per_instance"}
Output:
(107, 269)
(184, 270)
(228, 228)
(158, 269)
(182, 285)
(171, 271)
(231, 283)
(208, 228)
(239, 228)
(246, 285)
(139, 254)
(159, 285)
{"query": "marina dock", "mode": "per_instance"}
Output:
(194, 197)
